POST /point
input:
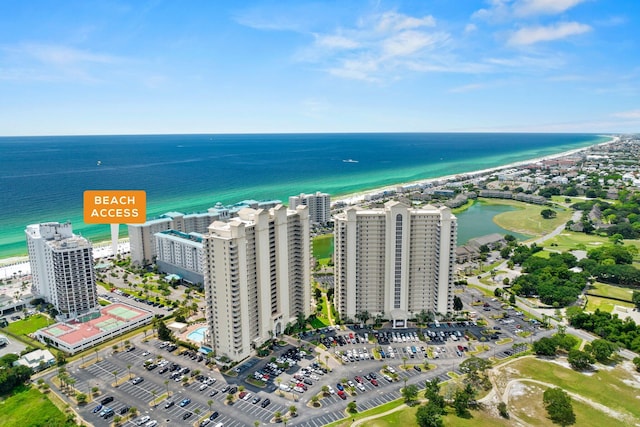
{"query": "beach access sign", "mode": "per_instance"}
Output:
(115, 206)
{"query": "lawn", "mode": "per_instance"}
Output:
(610, 291)
(569, 240)
(604, 304)
(529, 407)
(28, 325)
(606, 386)
(527, 219)
(29, 407)
(323, 246)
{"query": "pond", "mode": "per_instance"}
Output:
(477, 221)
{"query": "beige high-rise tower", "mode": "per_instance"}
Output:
(394, 260)
(256, 277)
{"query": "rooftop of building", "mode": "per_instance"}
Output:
(107, 319)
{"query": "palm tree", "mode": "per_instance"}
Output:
(209, 402)
(256, 423)
(241, 388)
(115, 378)
(277, 415)
(314, 400)
(166, 383)
(154, 393)
(97, 357)
(326, 360)
(404, 361)
(129, 369)
(325, 389)
(279, 381)
(229, 398)
(293, 410)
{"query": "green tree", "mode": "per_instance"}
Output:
(352, 408)
(410, 393)
(636, 361)
(558, 405)
(81, 398)
(601, 349)
(548, 213)
(457, 303)
(164, 333)
(636, 299)
(545, 347)
(580, 360)
(502, 410)
(429, 415)
(432, 393)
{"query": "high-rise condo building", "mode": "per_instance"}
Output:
(319, 205)
(256, 277)
(142, 237)
(395, 261)
(62, 268)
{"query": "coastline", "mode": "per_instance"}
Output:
(359, 197)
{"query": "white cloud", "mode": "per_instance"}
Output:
(467, 88)
(336, 42)
(543, 7)
(409, 42)
(54, 62)
(393, 21)
(537, 34)
(506, 9)
(633, 114)
(470, 28)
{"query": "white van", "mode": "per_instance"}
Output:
(219, 425)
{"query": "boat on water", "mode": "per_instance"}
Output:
(350, 161)
(99, 163)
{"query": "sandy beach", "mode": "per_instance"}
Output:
(20, 265)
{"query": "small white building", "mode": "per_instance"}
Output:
(36, 360)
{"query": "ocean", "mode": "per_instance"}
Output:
(43, 178)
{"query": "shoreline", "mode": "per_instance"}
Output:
(354, 198)
(359, 197)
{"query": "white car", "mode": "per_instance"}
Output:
(143, 420)
(203, 386)
(331, 390)
(360, 387)
(152, 423)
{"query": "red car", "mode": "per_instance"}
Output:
(374, 382)
(342, 395)
(358, 379)
(242, 394)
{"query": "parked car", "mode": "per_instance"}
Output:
(185, 402)
(265, 403)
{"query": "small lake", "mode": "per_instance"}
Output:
(478, 221)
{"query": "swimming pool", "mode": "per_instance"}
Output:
(198, 334)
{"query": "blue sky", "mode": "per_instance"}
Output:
(130, 67)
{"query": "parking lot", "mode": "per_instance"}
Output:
(370, 361)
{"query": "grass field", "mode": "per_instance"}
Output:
(610, 291)
(528, 406)
(609, 387)
(29, 325)
(527, 219)
(604, 304)
(323, 246)
(29, 407)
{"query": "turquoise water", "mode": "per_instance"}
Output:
(477, 221)
(197, 335)
(43, 178)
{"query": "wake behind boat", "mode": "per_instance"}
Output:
(350, 161)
